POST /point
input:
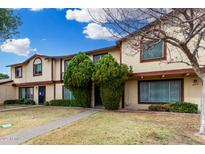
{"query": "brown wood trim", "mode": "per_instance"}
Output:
(165, 72)
(138, 89)
(61, 71)
(41, 67)
(58, 81)
(100, 53)
(33, 83)
(6, 82)
(21, 71)
(27, 60)
(153, 59)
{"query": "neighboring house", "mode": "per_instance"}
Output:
(154, 80)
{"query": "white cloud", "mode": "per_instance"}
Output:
(78, 15)
(86, 15)
(17, 46)
(36, 9)
(96, 31)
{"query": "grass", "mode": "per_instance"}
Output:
(27, 118)
(126, 128)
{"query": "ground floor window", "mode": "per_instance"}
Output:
(160, 91)
(26, 93)
(67, 94)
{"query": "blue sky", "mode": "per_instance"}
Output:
(49, 32)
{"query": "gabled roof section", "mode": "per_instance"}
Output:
(4, 81)
(27, 60)
(90, 52)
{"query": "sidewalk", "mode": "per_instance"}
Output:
(21, 137)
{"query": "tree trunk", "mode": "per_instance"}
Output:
(202, 127)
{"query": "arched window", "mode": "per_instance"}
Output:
(37, 67)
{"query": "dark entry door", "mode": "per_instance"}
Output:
(41, 94)
(98, 101)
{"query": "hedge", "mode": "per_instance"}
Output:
(183, 107)
(62, 102)
(20, 101)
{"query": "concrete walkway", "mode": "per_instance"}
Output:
(21, 137)
(16, 107)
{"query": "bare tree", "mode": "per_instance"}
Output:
(182, 28)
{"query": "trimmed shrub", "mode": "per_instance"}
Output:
(62, 102)
(110, 98)
(183, 107)
(20, 101)
(160, 107)
(12, 101)
(46, 103)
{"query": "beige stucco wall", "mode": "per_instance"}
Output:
(7, 91)
(115, 53)
(49, 92)
(134, 61)
(192, 93)
(56, 69)
(28, 72)
(59, 91)
(131, 56)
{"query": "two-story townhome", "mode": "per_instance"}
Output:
(40, 77)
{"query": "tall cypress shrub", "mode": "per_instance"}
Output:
(77, 78)
(110, 76)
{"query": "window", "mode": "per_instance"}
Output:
(66, 64)
(26, 93)
(67, 94)
(97, 57)
(18, 72)
(37, 67)
(156, 52)
(160, 91)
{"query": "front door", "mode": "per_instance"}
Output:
(98, 101)
(41, 94)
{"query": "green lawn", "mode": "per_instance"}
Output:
(27, 118)
(127, 128)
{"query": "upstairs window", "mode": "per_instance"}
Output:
(66, 64)
(153, 52)
(98, 57)
(18, 72)
(37, 67)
